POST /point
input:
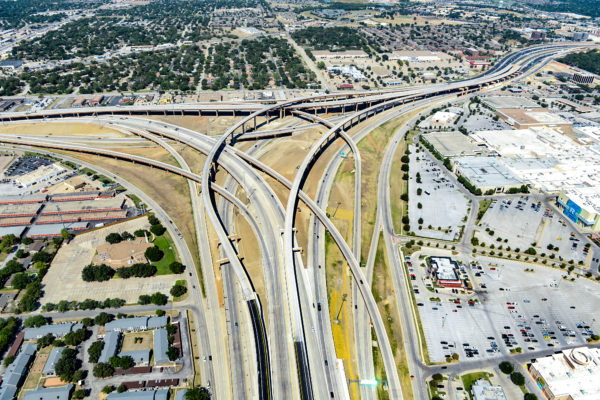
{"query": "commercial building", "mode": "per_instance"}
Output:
(15, 221)
(95, 216)
(54, 393)
(19, 210)
(572, 374)
(582, 206)
(12, 230)
(483, 390)
(96, 205)
(122, 254)
(350, 71)
(161, 346)
(111, 343)
(14, 199)
(453, 144)
(525, 118)
(79, 196)
(42, 174)
(442, 119)
(56, 330)
(508, 102)
(161, 394)
(53, 358)
(54, 230)
(445, 271)
(486, 173)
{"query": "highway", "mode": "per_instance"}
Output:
(294, 356)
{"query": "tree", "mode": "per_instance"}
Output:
(78, 375)
(45, 341)
(173, 353)
(197, 393)
(27, 240)
(87, 322)
(126, 362)
(75, 338)
(41, 256)
(108, 389)
(95, 350)
(158, 229)
(153, 220)
(178, 290)
(113, 238)
(21, 253)
(159, 299)
(506, 367)
(122, 388)
(145, 299)
(8, 360)
(530, 396)
(176, 267)
(7, 242)
(66, 366)
(97, 273)
(103, 318)
(35, 321)
(21, 280)
(79, 394)
(65, 234)
(517, 378)
(103, 370)
(153, 253)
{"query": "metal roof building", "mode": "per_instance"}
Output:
(180, 395)
(54, 356)
(139, 356)
(111, 342)
(17, 371)
(136, 324)
(162, 394)
(55, 393)
(11, 230)
(161, 345)
(50, 230)
(57, 330)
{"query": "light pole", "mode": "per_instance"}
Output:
(344, 296)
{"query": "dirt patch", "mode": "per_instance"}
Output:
(248, 248)
(137, 341)
(210, 125)
(48, 128)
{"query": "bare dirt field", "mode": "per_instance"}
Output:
(47, 128)
(210, 125)
(63, 280)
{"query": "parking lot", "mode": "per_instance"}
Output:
(25, 165)
(511, 308)
(521, 221)
(435, 188)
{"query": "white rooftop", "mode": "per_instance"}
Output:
(574, 372)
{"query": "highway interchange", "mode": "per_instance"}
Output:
(294, 356)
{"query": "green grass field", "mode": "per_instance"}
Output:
(165, 243)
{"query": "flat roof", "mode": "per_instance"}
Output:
(486, 172)
(451, 144)
(18, 209)
(509, 102)
(42, 173)
(574, 372)
(54, 229)
(445, 268)
(104, 203)
(11, 230)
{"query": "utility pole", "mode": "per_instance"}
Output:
(344, 296)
